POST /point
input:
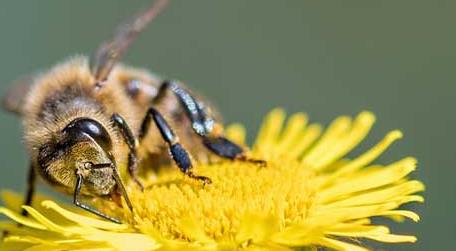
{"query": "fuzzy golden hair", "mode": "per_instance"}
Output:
(99, 105)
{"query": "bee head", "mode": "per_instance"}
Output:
(83, 148)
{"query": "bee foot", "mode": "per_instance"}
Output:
(204, 179)
(259, 162)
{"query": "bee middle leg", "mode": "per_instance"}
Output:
(132, 143)
(180, 156)
(203, 125)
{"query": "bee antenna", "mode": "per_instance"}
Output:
(111, 51)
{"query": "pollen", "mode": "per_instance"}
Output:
(308, 195)
(176, 206)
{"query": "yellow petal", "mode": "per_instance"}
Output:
(304, 141)
(340, 245)
(84, 220)
(403, 213)
(257, 229)
(295, 126)
(236, 133)
(331, 135)
(21, 219)
(353, 213)
(51, 226)
(387, 175)
(126, 241)
(370, 155)
(346, 142)
(270, 131)
(392, 238)
(378, 196)
(193, 230)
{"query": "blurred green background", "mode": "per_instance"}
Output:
(395, 58)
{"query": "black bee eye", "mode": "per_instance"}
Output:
(90, 127)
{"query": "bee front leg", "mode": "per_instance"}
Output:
(31, 184)
(178, 152)
(204, 125)
(132, 143)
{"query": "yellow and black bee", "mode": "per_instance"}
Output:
(86, 121)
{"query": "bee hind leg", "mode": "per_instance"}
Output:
(180, 156)
(203, 125)
(223, 147)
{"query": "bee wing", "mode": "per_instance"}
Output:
(111, 51)
(14, 97)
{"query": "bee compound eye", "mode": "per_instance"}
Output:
(91, 128)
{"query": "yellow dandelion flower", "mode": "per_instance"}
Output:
(308, 196)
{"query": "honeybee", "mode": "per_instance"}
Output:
(88, 121)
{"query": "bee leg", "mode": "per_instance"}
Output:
(131, 141)
(178, 152)
(223, 147)
(31, 181)
(203, 125)
(77, 190)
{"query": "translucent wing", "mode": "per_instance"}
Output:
(13, 99)
(111, 51)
